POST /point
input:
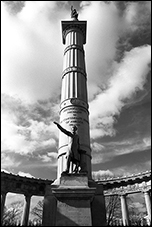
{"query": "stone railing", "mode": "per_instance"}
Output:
(122, 186)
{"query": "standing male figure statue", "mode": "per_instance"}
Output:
(74, 13)
(72, 154)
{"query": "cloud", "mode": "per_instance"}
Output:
(22, 174)
(8, 162)
(102, 174)
(129, 76)
(50, 158)
(127, 170)
(140, 206)
(108, 151)
(31, 57)
(24, 130)
(147, 141)
(137, 13)
(102, 35)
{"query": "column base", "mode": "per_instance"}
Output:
(74, 202)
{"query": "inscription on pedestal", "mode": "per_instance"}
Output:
(73, 213)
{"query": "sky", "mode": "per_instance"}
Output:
(117, 55)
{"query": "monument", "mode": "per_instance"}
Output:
(74, 103)
(74, 199)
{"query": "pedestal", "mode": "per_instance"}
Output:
(74, 203)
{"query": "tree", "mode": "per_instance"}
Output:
(12, 213)
(37, 211)
(136, 215)
(113, 205)
(113, 208)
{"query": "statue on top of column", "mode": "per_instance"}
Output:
(74, 13)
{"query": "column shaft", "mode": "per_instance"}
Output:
(74, 103)
(3, 198)
(124, 210)
(26, 210)
(148, 204)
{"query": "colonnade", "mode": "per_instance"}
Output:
(123, 198)
(36, 187)
(124, 207)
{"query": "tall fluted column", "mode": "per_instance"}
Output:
(124, 210)
(148, 204)
(3, 198)
(74, 101)
(26, 210)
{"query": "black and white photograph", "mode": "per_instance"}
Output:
(76, 113)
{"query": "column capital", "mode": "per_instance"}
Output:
(4, 192)
(27, 194)
(124, 194)
(146, 190)
(74, 25)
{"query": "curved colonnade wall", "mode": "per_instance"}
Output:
(122, 186)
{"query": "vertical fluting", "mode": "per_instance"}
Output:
(74, 103)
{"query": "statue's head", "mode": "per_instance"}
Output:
(74, 129)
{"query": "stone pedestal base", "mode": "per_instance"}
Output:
(74, 202)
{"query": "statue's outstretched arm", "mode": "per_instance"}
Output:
(63, 130)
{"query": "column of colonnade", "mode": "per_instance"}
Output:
(26, 210)
(148, 204)
(124, 209)
(3, 199)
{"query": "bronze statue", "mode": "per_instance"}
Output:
(74, 13)
(72, 154)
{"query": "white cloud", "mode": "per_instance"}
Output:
(12, 197)
(102, 174)
(147, 142)
(22, 174)
(8, 162)
(103, 26)
(107, 151)
(129, 76)
(30, 52)
(97, 147)
(50, 158)
(21, 133)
